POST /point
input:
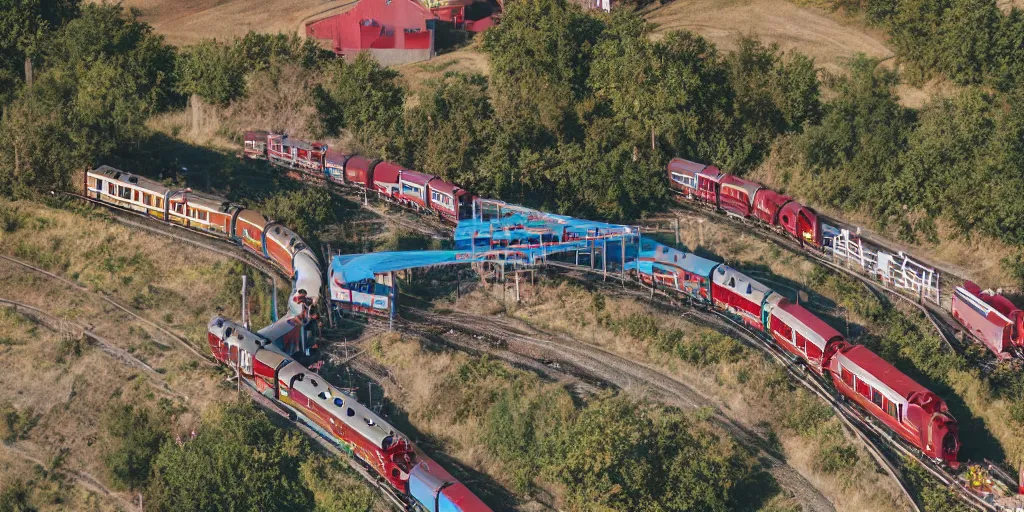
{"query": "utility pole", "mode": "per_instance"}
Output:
(245, 308)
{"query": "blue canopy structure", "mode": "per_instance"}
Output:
(351, 268)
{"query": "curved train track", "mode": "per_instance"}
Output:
(876, 439)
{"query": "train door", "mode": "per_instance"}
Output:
(99, 187)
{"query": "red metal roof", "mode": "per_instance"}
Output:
(712, 173)
(336, 157)
(386, 172)
(416, 177)
(443, 186)
(771, 196)
(883, 371)
(376, 24)
(749, 186)
(461, 497)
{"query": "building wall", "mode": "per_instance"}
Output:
(346, 31)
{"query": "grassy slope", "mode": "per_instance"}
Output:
(62, 385)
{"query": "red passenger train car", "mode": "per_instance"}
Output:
(991, 318)
(909, 409)
(743, 198)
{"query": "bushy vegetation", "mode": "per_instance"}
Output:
(217, 72)
(954, 163)
(580, 112)
(238, 460)
(98, 78)
(610, 454)
(970, 41)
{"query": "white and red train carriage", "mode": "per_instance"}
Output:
(801, 333)
(909, 409)
(391, 181)
(341, 418)
(743, 198)
(734, 292)
(296, 153)
(989, 317)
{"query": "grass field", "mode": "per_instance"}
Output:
(189, 22)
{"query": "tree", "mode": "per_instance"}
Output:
(238, 461)
(211, 71)
(24, 27)
(540, 59)
(365, 98)
(854, 151)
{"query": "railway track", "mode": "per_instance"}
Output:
(879, 440)
(124, 309)
(864, 427)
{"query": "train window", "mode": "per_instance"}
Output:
(291, 242)
(159, 202)
(892, 409)
(350, 412)
(277, 230)
(313, 382)
(863, 389)
(339, 402)
(801, 342)
(394, 473)
(147, 199)
(324, 395)
(228, 331)
(136, 196)
(876, 397)
(847, 377)
(732, 282)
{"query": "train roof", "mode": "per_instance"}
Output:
(253, 217)
(774, 197)
(386, 172)
(336, 157)
(687, 166)
(112, 174)
(882, 375)
(803, 321)
(653, 254)
(280, 328)
(750, 187)
(740, 283)
(443, 186)
(416, 177)
(260, 135)
(210, 202)
(343, 407)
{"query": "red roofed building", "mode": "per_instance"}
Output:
(393, 31)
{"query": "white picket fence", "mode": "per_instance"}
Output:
(896, 270)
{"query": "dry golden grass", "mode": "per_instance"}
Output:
(738, 387)
(829, 39)
(420, 374)
(184, 23)
(167, 280)
(68, 399)
(470, 59)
